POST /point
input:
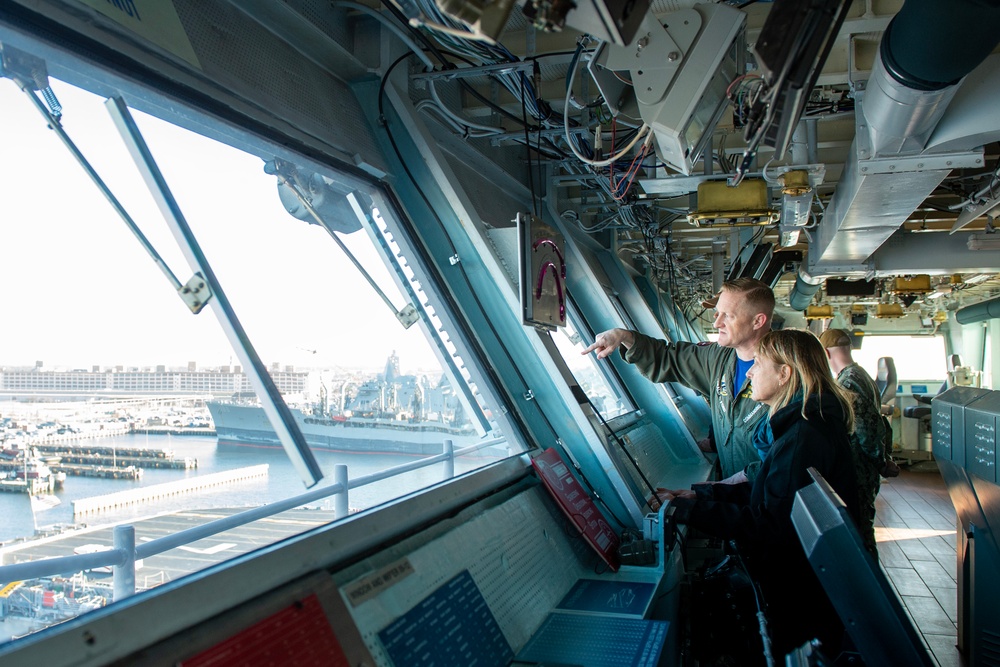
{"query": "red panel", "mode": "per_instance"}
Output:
(297, 635)
(577, 505)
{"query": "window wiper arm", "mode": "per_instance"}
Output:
(408, 314)
(29, 73)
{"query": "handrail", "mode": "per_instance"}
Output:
(116, 557)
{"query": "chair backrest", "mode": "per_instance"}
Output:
(954, 361)
(886, 380)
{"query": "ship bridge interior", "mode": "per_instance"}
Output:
(845, 152)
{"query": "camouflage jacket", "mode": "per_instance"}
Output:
(869, 429)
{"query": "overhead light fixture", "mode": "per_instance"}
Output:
(920, 284)
(744, 205)
(823, 312)
(984, 242)
(888, 310)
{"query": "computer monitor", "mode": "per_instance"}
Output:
(793, 45)
(867, 605)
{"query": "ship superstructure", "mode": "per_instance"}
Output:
(388, 413)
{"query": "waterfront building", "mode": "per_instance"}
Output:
(223, 381)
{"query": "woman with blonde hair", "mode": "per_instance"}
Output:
(808, 426)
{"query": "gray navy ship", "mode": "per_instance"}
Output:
(392, 413)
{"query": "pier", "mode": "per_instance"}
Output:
(122, 499)
(174, 430)
(68, 459)
(32, 485)
(105, 472)
(107, 451)
(113, 457)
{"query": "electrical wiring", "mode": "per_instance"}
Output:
(467, 123)
(454, 32)
(763, 173)
(977, 196)
(603, 163)
(621, 188)
(595, 163)
(531, 176)
(456, 38)
(431, 105)
(458, 128)
(398, 31)
(391, 25)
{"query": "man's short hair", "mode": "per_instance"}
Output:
(757, 296)
(835, 338)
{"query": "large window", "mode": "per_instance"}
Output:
(110, 387)
(597, 380)
(915, 357)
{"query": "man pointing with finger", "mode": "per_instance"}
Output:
(742, 317)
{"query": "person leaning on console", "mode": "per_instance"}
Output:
(743, 315)
(809, 421)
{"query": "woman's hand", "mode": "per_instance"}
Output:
(736, 478)
(666, 495)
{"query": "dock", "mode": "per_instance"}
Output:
(68, 459)
(32, 485)
(104, 472)
(121, 499)
(113, 457)
(174, 430)
(103, 451)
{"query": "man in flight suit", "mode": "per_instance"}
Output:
(742, 317)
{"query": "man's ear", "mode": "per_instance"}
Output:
(759, 320)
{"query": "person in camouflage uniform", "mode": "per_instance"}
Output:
(743, 314)
(869, 428)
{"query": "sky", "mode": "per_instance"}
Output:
(78, 290)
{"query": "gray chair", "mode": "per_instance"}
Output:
(885, 380)
(922, 410)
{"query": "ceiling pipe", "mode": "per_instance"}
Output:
(931, 44)
(978, 312)
(804, 290)
(926, 51)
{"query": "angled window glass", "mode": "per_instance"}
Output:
(598, 380)
(120, 406)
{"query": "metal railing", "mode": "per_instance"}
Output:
(123, 555)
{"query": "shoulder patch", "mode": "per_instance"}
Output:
(703, 343)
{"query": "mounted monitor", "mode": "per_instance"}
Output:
(680, 65)
(792, 47)
(868, 607)
(542, 263)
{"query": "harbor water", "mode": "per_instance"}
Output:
(281, 482)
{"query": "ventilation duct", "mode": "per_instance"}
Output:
(979, 312)
(927, 49)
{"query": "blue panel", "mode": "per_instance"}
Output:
(451, 626)
(980, 436)
(948, 422)
(918, 389)
(608, 597)
(595, 641)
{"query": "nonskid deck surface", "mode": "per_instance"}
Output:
(915, 525)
